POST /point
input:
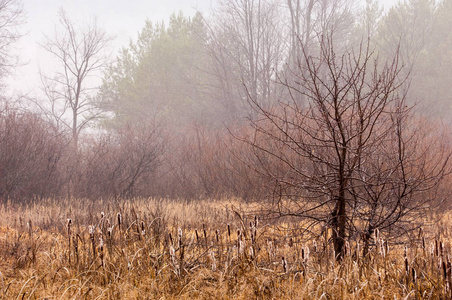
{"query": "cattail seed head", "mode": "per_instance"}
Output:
(69, 222)
(179, 237)
(30, 227)
(119, 217)
(171, 238)
(143, 228)
(284, 264)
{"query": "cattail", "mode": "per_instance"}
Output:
(406, 260)
(413, 273)
(138, 226)
(241, 246)
(173, 256)
(179, 237)
(384, 245)
(93, 243)
(30, 227)
(197, 236)
(69, 222)
(101, 248)
(101, 221)
(171, 238)
(217, 234)
(270, 249)
(306, 253)
(205, 233)
(119, 221)
(212, 257)
(75, 243)
(284, 265)
(229, 231)
(143, 229)
(380, 246)
(436, 248)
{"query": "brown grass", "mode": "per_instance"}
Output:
(169, 249)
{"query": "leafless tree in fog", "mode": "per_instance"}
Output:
(350, 157)
(11, 15)
(80, 52)
(310, 18)
(247, 48)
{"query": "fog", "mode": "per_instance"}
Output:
(119, 18)
(166, 98)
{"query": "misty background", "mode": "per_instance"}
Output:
(118, 17)
(155, 98)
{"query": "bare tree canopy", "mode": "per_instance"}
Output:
(80, 53)
(348, 155)
(11, 15)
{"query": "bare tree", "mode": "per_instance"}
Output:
(80, 52)
(350, 158)
(11, 15)
(247, 48)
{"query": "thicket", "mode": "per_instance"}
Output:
(37, 161)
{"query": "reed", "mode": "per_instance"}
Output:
(74, 259)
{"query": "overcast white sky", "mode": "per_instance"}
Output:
(121, 18)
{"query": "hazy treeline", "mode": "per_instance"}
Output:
(172, 115)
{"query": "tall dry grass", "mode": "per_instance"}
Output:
(154, 248)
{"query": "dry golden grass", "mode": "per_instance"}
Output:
(169, 249)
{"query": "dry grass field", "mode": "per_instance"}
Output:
(167, 249)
